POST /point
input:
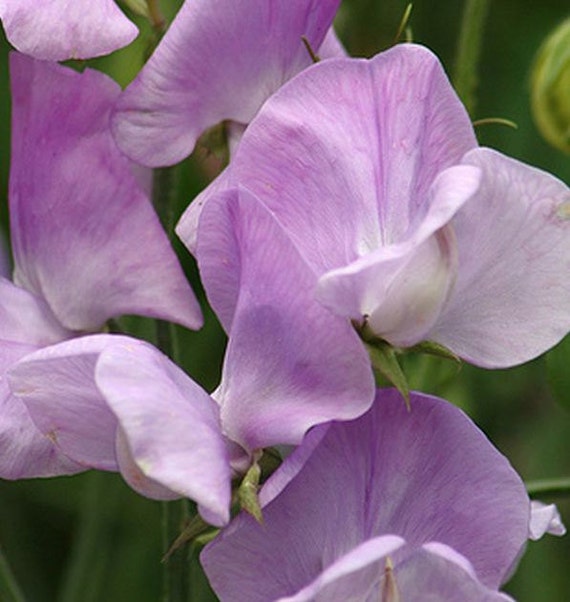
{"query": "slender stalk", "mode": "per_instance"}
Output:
(549, 487)
(176, 569)
(86, 568)
(164, 183)
(175, 515)
(9, 589)
(465, 76)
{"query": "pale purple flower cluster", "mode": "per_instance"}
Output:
(356, 204)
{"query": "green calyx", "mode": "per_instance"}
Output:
(550, 84)
(386, 359)
(247, 493)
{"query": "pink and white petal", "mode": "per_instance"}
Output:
(512, 297)
(295, 461)
(25, 318)
(24, 451)
(437, 572)
(85, 236)
(353, 577)
(218, 61)
(290, 363)
(187, 226)
(339, 186)
(345, 173)
(401, 288)
(57, 386)
(425, 475)
(133, 474)
(331, 47)
(171, 425)
(398, 297)
(545, 518)
(430, 573)
(456, 487)
(58, 30)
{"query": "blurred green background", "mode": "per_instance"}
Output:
(49, 527)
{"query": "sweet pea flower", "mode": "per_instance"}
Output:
(545, 518)
(372, 171)
(58, 30)
(114, 403)
(86, 242)
(396, 505)
(219, 60)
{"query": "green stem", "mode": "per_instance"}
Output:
(465, 78)
(164, 184)
(176, 569)
(549, 487)
(175, 515)
(85, 570)
(9, 589)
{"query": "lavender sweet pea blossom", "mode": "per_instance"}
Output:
(219, 60)
(395, 505)
(545, 518)
(58, 30)
(86, 242)
(114, 403)
(372, 171)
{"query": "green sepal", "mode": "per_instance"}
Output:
(385, 362)
(433, 348)
(247, 492)
(196, 527)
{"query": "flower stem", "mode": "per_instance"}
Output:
(176, 569)
(549, 487)
(9, 589)
(164, 183)
(86, 568)
(175, 515)
(465, 78)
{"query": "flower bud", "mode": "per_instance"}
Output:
(549, 86)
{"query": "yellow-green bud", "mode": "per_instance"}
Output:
(550, 87)
(139, 7)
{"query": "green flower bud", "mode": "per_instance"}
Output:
(139, 7)
(550, 86)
